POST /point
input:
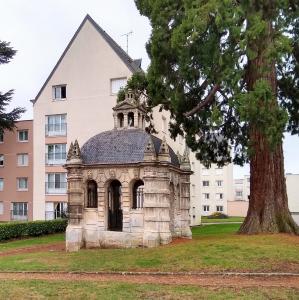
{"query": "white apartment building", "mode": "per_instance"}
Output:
(239, 206)
(242, 189)
(216, 188)
(76, 102)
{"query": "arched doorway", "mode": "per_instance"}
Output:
(115, 215)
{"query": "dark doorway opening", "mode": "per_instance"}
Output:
(115, 214)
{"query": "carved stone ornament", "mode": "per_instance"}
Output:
(74, 151)
(164, 149)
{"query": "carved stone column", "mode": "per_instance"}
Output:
(74, 230)
(156, 207)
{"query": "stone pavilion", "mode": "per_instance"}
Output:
(126, 187)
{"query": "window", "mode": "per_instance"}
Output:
(138, 194)
(19, 211)
(239, 193)
(56, 125)
(59, 92)
(1, 136)
(1, 160)
(206, 196)
(219, 182)
(92, 194)
(219, 208)
(205, 183)
(22, 184)
(1, 184)
(22, 159)
(23, 135)
(219, 196)
(55, 210)
(206, 207)
(56, 183)
(56, 154)
(117, 84)
(164, 124)
(1, 208)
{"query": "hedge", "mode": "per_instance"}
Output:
(15, 230)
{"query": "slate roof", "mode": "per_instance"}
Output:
(120, 147)
(133, 65)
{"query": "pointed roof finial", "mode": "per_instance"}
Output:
(74, 153)
(185, 161)
(150, 152)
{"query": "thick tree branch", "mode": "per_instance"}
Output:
(207, 101)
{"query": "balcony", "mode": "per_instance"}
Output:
(56, 187)
(58, 129)
(18, 215)
(56, 158)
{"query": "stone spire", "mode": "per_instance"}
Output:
(185, 161)
(164, 151)
(149, 152)
(74, 153)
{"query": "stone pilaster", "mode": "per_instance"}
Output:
(136, 119)
(74, 230)
(185, 206)
(156, 207)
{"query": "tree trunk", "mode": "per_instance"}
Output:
(268, 204)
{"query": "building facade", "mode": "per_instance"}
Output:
(16, 172)
(215, 188)
(239, 206)
(76, 103)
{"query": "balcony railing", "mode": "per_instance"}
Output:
(18, 215)
(56, 187)
(55, 158)
(56, 129)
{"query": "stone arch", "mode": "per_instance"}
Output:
(114, 205)
(120, 120)
(136, 193)
(130, 119)
(92, 194)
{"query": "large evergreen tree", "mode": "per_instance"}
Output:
(228, 71)
(7, 119)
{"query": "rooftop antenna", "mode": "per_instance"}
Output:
(127, 35)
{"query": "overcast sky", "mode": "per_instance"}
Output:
(41, 29)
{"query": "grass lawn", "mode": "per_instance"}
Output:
(229, 219)
(40, 289)
(213, 248)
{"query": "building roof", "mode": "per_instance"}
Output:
(134, 65)
(121, 147)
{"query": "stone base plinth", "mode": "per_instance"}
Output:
(73, 238)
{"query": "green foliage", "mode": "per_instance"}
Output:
(217, 215)
(245, 47)
(7, 120)
(35, 228)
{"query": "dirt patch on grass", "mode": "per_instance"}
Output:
(178, 241)
(239, 281)
(38, 248)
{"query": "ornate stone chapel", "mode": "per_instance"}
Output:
(126, 187)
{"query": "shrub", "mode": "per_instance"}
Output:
(15, 230)
(217, 215)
